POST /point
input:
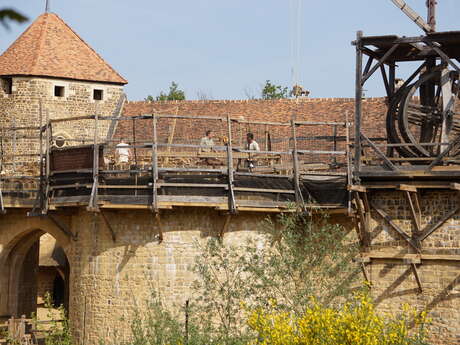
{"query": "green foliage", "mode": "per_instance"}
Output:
(272, 91)
(59, 331)
(8, 15)
(174, 94)
(301, 257)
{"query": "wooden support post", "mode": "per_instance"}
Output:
(392, 80)
(417, 276)
(415, 213)
(92, 205)
(225, 226)
(107, 223)
(364, 270)
(403, 234)
(348, 159)
(14, 145)
(231, 193)
(49, 135)
(364, 218)
(134, 141)
(370, 60)
(171, 134)
(160, 227)
(154, 164)
(295, 162)
(358, 100)
(61, 226)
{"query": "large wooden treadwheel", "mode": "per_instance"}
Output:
(422, 114)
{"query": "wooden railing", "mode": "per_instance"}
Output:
(169, 145)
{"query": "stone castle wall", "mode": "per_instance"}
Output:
(393, 280)
(110, 279)
(31, 96)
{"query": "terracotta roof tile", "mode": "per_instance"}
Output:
(49, 47)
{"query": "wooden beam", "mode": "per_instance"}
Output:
(455, 186)
(61, 226)
(357, 188)
(385, 216)
(379, 63)
(154, 165)
(160, 227)
(415, 215)
(385, 159)
(407, 188)
(107, 223)
(232, 207)
(411, 258)
(430, 229)
(417, 276)
(225, 226)
(295, 161)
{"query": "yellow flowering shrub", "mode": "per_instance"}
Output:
(356, 323)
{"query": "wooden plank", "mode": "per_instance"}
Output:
(74, 118)
(407, 188)
(319, 123)
(193, 185)
(263, 190)
(357, 188)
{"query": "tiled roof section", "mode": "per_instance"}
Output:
(50, 48)
(306, 109)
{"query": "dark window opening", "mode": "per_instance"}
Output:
(98, 95)
(8, 85)
(59, 91)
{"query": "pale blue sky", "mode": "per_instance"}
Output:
(226, 49)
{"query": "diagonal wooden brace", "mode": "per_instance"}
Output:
(395, 227)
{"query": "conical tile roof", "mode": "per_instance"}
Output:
(50, 48)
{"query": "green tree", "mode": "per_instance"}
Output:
(8, 15)
(272, 91)
(174, 94)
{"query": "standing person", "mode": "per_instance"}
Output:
(252, 145)
(122, 153)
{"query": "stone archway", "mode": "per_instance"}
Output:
(19, 269)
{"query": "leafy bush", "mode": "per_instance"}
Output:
(354, 323)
